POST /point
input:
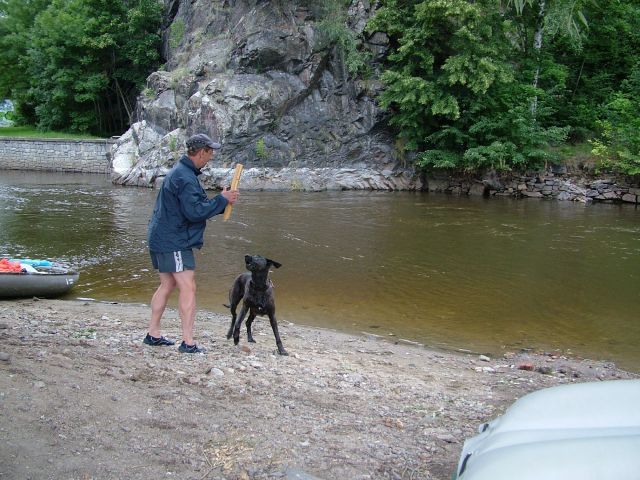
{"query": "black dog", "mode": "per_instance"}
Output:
(255, 291)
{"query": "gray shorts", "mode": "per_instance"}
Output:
(172, 262)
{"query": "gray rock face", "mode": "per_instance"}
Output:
(257, 76)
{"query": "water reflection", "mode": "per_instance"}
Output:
(487, 275)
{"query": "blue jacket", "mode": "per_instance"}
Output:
(181, 211)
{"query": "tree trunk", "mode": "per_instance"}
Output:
(537, 49)
(125, 103)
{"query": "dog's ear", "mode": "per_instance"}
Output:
(274, 263)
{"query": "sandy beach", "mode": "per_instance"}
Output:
(83, 398)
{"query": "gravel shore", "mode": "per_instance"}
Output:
(83, 398)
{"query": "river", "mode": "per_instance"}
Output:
(485, 275)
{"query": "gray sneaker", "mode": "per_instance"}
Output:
(157, 341)
(184, 348)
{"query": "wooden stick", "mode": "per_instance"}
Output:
(234, 186)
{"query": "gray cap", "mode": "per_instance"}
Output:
(200, 140)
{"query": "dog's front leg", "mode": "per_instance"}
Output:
(252, 316)
(274, 327)
(236, 327)
(233, 320)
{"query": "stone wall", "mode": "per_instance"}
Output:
(56, 155)
(573, 187)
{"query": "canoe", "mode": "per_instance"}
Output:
(46, 281)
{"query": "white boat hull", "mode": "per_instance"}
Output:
(47, 283)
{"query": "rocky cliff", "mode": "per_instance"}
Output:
(259, 77)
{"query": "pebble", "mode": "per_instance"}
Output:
(446, 437)
(296, 474)
(544, 370)
(485, 369)
(526, 366)
(5, 357)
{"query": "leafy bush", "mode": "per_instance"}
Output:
(261, 149)
(334, 32)
(618, 147)
(176, 32)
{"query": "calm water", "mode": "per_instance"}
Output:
(485, 275)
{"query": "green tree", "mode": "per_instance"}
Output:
(547, 19)
(454, 86)
(598, 69)
(16, 21)
(84, 61)
(618, 147)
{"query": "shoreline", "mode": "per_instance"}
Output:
(570, 184)
(82, 397)
(493, 351)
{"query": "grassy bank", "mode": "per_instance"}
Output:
(31, 132)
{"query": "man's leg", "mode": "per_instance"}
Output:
(159, 302)
(186, 282)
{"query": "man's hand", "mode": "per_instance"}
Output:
(230, 195)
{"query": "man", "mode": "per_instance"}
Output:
(175, 229)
